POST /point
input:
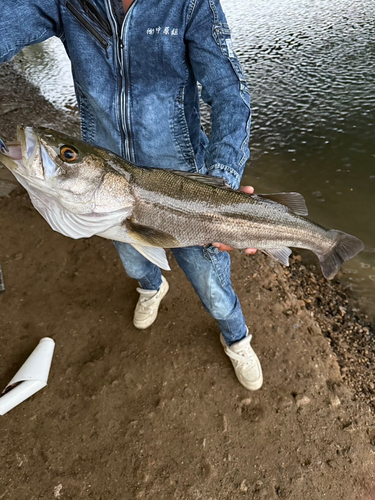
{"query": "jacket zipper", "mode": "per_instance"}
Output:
(127, 147)
(84, 22)
(95, 16)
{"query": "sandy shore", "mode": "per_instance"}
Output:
(159, 414)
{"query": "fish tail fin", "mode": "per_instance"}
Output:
(345, 247)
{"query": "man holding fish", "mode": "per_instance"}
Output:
(136, 66)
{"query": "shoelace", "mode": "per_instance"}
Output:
(245, 355)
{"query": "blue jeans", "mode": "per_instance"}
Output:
(208, 270)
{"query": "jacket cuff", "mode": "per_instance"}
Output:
(231, 176)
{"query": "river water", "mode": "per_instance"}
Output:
(310, 65)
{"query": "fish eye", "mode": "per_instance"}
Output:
(68, 154)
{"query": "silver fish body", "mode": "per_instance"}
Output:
(83, 190)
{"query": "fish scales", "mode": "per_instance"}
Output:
(229, 217)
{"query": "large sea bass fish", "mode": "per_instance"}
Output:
(83, 191)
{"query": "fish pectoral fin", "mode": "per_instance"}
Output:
(294, 201)
(154, 254)
(149, 236)
(148, 241)
(205, 179)
(280, 254)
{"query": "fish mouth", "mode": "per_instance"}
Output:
(18, 155)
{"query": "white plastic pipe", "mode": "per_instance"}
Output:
(30, 378)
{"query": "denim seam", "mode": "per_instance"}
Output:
(210, 254)
(221, 33)
(210, 284)
(225, 168)
(245, 142)
(227, 325)
(183, 144)
(214, 11)
(88, 124)
(191, 9)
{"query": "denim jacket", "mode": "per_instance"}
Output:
(136, 81)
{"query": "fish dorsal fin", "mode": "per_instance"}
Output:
(280, 254)
(205, 179)
(294, 201)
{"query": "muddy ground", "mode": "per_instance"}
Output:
(159, 414)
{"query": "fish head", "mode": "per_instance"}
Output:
(52, 166)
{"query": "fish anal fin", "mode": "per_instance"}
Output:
(280, 254)
(294, 201)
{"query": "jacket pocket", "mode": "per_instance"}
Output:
(87, 25)
(96, 16)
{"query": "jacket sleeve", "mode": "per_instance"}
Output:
(224, 88)
(25, 22)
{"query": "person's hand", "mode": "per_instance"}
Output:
(227, 248)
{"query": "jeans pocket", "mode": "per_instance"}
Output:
(220, 262)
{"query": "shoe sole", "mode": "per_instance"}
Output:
(255, 386)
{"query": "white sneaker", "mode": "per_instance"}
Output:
(245, 363)
(148, 304)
